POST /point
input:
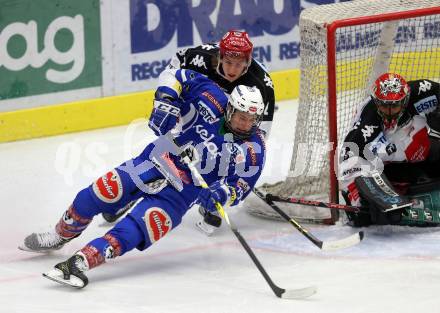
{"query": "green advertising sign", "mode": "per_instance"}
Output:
(49, 46)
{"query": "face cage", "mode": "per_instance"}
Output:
(390, 104)
(230, 110)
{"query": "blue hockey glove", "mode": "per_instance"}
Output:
(217, 192)
(164, 116)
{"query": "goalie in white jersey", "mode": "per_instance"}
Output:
(395, 136)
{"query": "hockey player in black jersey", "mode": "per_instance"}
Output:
(392, 154)
(229, 63)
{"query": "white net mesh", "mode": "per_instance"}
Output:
(408, 46)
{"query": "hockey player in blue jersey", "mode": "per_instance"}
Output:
(229, 63)
(224, 142)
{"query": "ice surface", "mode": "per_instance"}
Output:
(394, 270)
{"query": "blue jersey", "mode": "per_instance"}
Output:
(201, 132)
(162, 182)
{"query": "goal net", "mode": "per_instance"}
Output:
(344, 48)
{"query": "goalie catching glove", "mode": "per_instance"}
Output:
(381, 204)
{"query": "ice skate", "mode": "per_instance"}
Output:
(70, 272)
(44, 242)
(209, 222)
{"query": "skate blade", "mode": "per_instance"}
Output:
(58, 276)
(24, 248)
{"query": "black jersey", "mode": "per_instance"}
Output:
(368, 145)
(203, 59)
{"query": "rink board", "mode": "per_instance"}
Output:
(104, 112)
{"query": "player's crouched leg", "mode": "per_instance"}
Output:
(108, 193)
(113, 194)
(156, 218)
(150, 220)
(125, 236)
(70, 225)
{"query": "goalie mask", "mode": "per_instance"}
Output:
(235, 45)
(391, 95)
(244, 111)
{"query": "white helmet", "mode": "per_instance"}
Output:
(245, 99)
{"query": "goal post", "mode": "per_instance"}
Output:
(344, 48)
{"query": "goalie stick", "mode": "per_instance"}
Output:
(328, 205)
(323, 245)
(300, 293)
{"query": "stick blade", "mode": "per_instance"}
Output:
(297, 294)
(343, 243)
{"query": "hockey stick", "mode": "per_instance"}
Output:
(328, 205)
(323, 245)
(279, 292)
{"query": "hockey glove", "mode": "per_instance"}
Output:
(352, 197)
(164, 116)
(217, 192)
(385, 204)
(353, 194)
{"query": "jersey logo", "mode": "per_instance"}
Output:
(426, 105)
(391, 148)
(268, 81)
(206, 113)
(418, 149)
(367, 131)
(158, 223)
(207, 47)
(346, 153)
(235, 152)
(424, 86)
(108, 188)
(207, 137)
(356, 125)
(198, 61)
(182, 52)
(243, 185)
(214, 101)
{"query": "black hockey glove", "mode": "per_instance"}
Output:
(385, 205)
(357, 219)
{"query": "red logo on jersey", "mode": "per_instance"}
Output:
(251, 151)
(213, 101)
(158, 223)
(418, 149)
(108, 188)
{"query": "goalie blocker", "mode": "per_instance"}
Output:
(384, 204)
